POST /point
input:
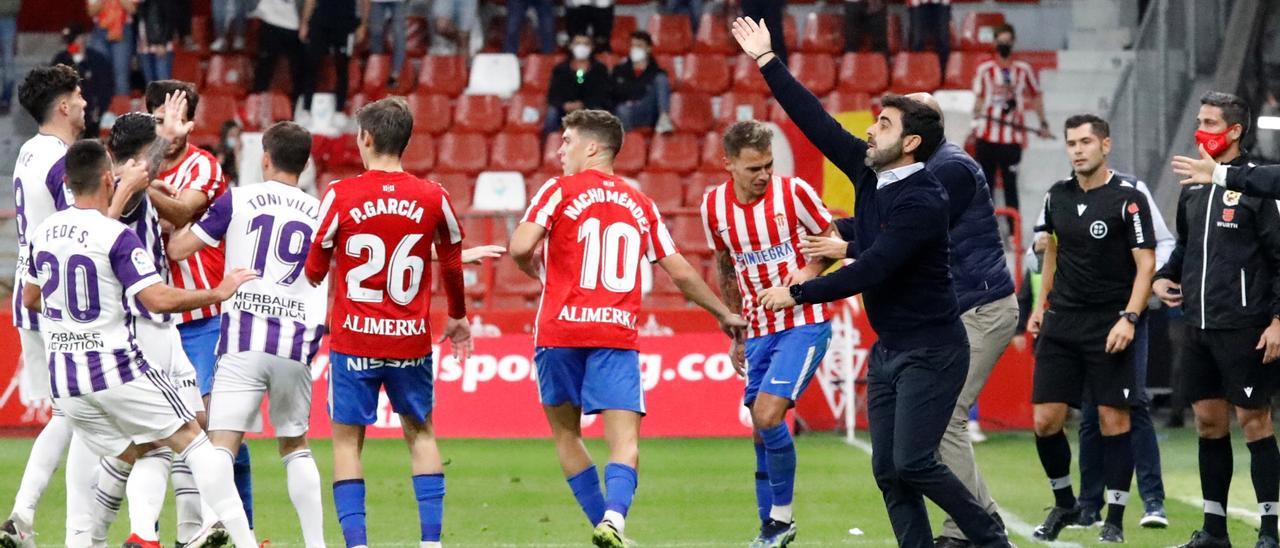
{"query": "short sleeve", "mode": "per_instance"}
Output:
(132, 264)
(328, 219)
(212, 227)
(205, 176)
(660, 243)
(1044, 223)
(1033, 83)
(979, 82)
(1137, 218)
(710, 223)
(32, 275)
(543, 206)
(810, 211)
(450, 230)
(55, 182)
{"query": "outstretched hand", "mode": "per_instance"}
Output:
(173, 113)
(753, 37)
(1195, 171)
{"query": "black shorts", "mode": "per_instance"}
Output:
(1072, 363)
(1224, 364)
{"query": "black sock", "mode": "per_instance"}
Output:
(1055, 456)
(1117, 474)
(1265, 468)
(1215, 481)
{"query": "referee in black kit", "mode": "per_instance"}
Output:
(1098, 268)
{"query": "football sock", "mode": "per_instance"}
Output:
(764, 493)
(586, 489)
(244, 481)
(186, 501)
(145, 490)
(211, 468)
(780, 454)
(108, 493)
(1265, 469)
(348, 499)
(81, 472)
(303, 478)
(1215, 482)
(45, 455)
(1055, 457)
(620, 487)
(429, 490)
(1117, 474)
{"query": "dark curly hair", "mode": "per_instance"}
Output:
(42, 88)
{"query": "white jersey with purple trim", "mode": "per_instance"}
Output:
(268, 227)
(145, 222)
(87, 266)
(37, 193)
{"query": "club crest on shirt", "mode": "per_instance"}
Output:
(1098, 230)
(781, 221)
(1228, 214)
(1230, 198)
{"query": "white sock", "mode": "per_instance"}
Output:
(45, 455)
(430, 544)
(108, 493)
(186, 501)
(145, 491)
(211, 468)
(618, 520)
(303, 478)
(780, 513)
(81, 473)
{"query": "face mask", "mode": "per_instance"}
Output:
(639, 55)
(1004, 50)
(581, 51)
(1213, 143)
(232, 143)
(73, 48)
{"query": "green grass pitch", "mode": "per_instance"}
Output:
(692, 492)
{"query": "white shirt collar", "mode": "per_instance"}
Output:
(884, 178)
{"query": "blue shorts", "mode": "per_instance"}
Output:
(783, 363)
(200, 342)
(354, 383)
(593, 379)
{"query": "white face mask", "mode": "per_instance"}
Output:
(581, 51)
(639, 55)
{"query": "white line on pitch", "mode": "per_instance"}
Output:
(1253, 518)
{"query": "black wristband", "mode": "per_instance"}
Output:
(757, 58)
(797, 292)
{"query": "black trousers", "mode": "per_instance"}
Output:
(1003, 159)
(910, 397)
(932, 23)
(275, 42)
(771, 12)
(862, 25)
(591, 21)
(324, 42)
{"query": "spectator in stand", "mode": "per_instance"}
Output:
(517, 10)
(691, 8)
(155, 39)
(228, 150)
(579, 82)
(113, 37)
(931, 22)
(329, 28)
(593, 18)
(866, 20)
(95, 76)
(641, 88)
(383, 13)
(771, 12)
(1003, 90)
(8, 40)
(455, 19)
(228, 24)
(277, 37)
(182, 23)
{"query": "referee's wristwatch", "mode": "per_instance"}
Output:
(1131, 316)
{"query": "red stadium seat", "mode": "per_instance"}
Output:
(328, 77)
(816, 71)
(703, 72)
(534, 182)
(663, 294)
(713, 36)
(462, 153)
(620, 38)
(863, 73)
(213, 110)
(789, 33)
(712, 160)
(916, 71)
(672, 34)
(665, 189)
(700, 184)
(551, 151)
(432, 113)
(536, 73)
(823, 33)
(977, 32)
(121, 104)
(200, 31)
(509, 281)
(445, 74)
(669, 63)
(266, 108)
(631, 158)
(515, 152)
(691, 112)
(479, 113)
(420, 155)
(1039, 60)
(746, 76)
(377, 70)
(737, 107)
(688, 231)
(839, 101)
(526, 111)
(460, 187)
(229, 74)
(673, 152)
(187, 67)
(961, 67)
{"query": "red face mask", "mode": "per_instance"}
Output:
(73, 48)
(1213, 143)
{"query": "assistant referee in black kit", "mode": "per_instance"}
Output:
(1097, 276)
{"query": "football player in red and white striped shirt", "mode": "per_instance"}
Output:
(594, 229)
(755, 222)
(1003, 89)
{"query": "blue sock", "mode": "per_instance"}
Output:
(586, 488)
(244, 481)
(429, 489)
(780, 453)
(620, 487)
(764, 494)
(348, 499)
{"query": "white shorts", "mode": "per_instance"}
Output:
(33, 378)
(143, 410)
(243, 378)
(161, 345)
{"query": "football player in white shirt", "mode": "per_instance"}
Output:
(272, 327)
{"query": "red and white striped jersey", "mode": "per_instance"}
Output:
(915, 3)
(198, 171)
(763, 237)
(1004, 93)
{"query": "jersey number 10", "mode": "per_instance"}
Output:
(611, 257)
